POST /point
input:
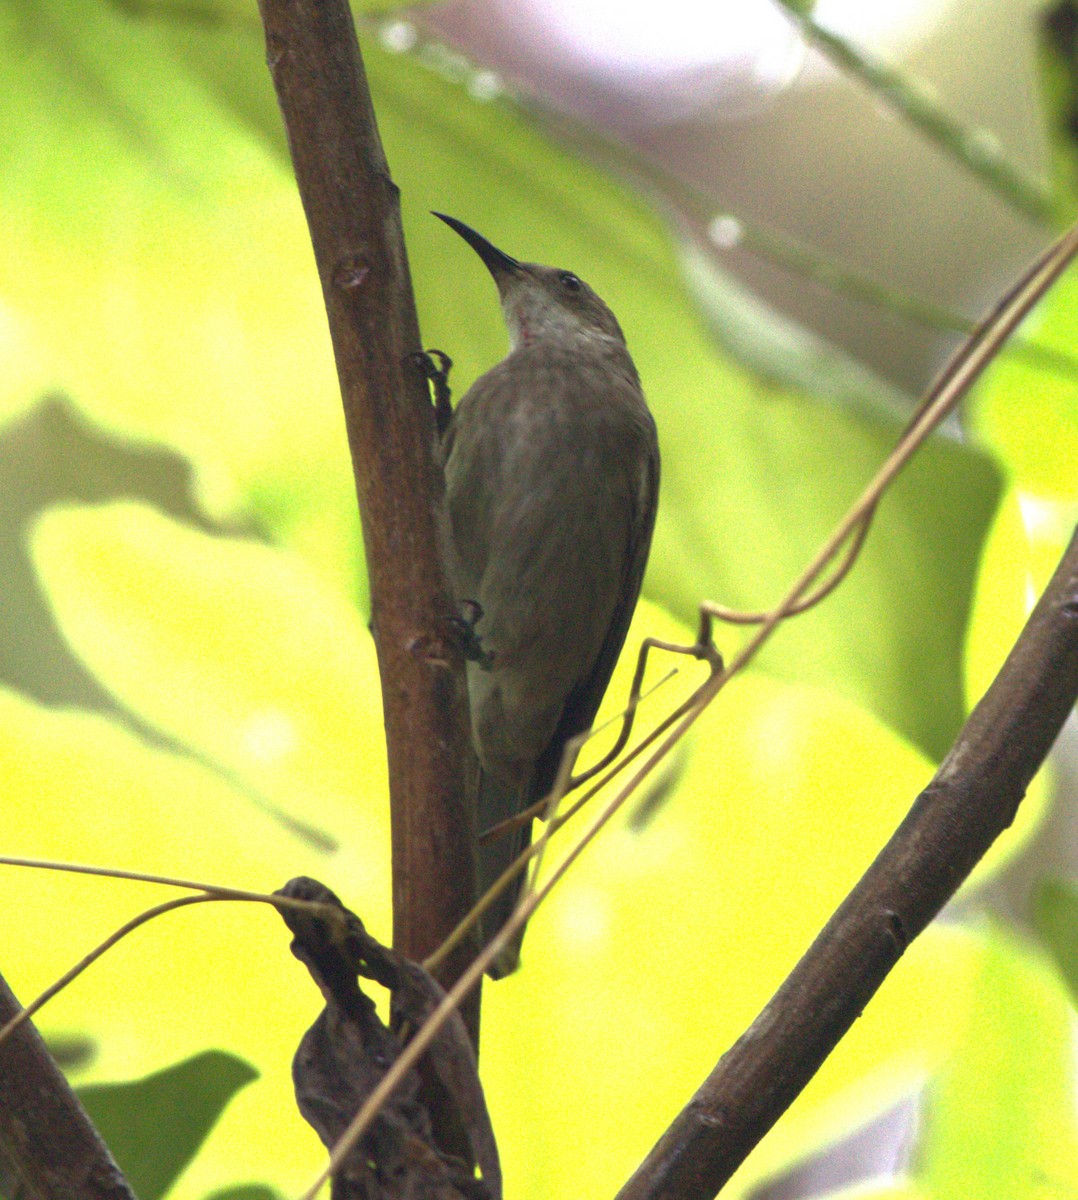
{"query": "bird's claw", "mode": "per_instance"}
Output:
(437, 375)
(470, 644)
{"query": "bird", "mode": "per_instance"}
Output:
(551, 463)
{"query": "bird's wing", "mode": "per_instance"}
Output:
(584, 700)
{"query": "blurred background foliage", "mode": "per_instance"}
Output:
(187, 682)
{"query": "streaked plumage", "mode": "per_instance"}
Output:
(552, 474)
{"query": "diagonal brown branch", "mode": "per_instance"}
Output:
(353, 211)
(970, 801)
(46, 1139)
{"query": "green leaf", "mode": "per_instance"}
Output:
(1029, 414)
(81, 788)
(754, 476)
(235, 649)
(1055, 917)
(155, 263)
(226, 357)
(1058, 60)
(154, 1126)
(247, 1191)
(1000, 1119)
(212, 340)
(1009, 573)
(684, 925)
(206, 634)
(72, 1053)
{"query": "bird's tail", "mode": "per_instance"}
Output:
(498, 801)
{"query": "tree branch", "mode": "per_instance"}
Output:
(46, 1138)
(970, 801)
(353, 211)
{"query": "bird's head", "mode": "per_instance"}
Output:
(541, 302)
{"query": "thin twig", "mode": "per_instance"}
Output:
(985, 340)
(703, 649)
(502, 828)
(813, 264)
(976, 149)
(88, 960)
(411, 1054)
(778, 248)
(970, 801)
(207, 892)
(736, 616)
(954, 381)
(51, 864)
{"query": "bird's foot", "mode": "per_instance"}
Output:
(468, 639)
(437, 375)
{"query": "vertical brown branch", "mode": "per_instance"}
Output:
(969, 802)
(353, 211)
(46, 1138)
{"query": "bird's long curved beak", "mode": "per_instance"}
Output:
(498, 263)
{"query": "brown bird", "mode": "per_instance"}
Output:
(552, 475)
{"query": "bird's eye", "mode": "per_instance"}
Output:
(569, 281)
